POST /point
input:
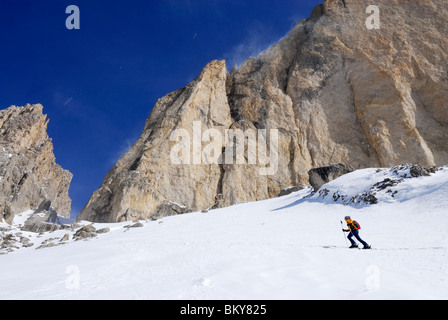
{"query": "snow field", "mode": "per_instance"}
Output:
(284, 248)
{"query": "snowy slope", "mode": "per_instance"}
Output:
(284, 248)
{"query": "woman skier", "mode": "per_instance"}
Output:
(353, 228)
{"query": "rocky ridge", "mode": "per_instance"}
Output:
(30, 178)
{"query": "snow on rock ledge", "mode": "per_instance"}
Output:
(372, 186)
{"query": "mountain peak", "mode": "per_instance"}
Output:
(28, 170)
(334, 90)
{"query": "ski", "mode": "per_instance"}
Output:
(341, 247)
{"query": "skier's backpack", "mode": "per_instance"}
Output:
(356, 225)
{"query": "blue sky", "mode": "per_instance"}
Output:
(98, 84)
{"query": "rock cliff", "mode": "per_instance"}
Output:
(29, 175)
(331, 91)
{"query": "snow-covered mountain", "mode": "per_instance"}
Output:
(290, 247)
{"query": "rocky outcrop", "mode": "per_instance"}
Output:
(331, 91)
(320, 176)
(37, 230)
(146, 177)
(376, 186)
(29, 175)
(41, 222)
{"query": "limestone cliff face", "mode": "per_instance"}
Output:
(145, 180)
(335, 91)
(29, 175)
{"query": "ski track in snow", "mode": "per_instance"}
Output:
(283, 248)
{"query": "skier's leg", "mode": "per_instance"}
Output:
(350, 235)
(356, 234)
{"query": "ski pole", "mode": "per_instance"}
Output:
(344, 234)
